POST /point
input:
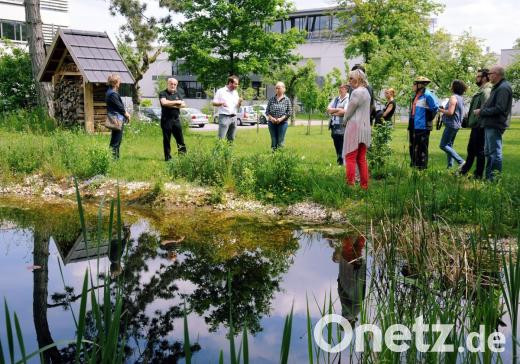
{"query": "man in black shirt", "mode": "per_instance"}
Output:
(171, 102)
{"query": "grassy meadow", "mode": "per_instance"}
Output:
(304, 171)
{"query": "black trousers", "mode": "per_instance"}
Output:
(418, 148)
(174, 128)
(475, 151)
(338, 145)
(115, 142)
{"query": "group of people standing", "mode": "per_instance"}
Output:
(352, 113)
(488, 117)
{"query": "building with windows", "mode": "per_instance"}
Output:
(323, 45)
(54, 13)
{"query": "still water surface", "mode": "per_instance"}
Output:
(179, 258)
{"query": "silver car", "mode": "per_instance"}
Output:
(247, 115)
(194, 117)
(261, 109)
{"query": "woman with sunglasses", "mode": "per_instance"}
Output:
(357, 131)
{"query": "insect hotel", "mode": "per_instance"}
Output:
(78, 65)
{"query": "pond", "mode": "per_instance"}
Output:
(215, 264)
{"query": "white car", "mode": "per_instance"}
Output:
(261, 109)
(246, 115)
(194, 117)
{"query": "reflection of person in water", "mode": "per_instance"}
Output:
(351, 276)
(116, 250)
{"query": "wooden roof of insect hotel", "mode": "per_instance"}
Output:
(93, 53)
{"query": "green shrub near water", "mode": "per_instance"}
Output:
(79, 158)
(269, 176)
(23, 157)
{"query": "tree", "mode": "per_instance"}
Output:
(513, 76)
(308, 93)
(517, 44)
(330, 84)
(37, 51)
(370, 25)
(137, 45)
(443, 59)
(293, 77)
(222, 37)
(17, 86)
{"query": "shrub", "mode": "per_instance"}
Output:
(24, 158)
(277, 176)
(205, 166)
(380, 150)
(34, 120)
(17, 88)
(79, 158)
(146, 103)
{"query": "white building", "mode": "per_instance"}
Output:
(54, 13)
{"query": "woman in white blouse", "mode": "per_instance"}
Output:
(357, 131)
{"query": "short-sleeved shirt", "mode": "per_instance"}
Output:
(339, 102)
(169, 114)
(231, 98)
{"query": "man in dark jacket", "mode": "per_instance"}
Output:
(496, 116)
(477, 137)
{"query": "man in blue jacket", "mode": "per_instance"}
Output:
(495, 116)
(423, 108)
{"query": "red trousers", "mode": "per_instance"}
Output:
(359, 157)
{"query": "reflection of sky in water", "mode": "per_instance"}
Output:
(313, 273)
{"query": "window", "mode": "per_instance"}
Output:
(13, 30)
(178, 70)
(300, 23)
(191, 90)
(276, 27)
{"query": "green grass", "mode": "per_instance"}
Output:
(306, 170)
(142, 155)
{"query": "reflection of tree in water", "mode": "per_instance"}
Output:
(255, 277)
(255, 255)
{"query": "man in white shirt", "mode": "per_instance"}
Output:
(228, 103)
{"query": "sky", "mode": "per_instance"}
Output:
(493, 21)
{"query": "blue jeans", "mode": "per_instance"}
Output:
(493, 151)
(447, 139)
(277, 132)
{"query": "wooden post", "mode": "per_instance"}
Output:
(88, 103)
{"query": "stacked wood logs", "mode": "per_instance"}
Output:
(68, 102)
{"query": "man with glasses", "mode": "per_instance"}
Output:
(477, 137)
(496, 117)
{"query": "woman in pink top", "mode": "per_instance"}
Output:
(357, 132)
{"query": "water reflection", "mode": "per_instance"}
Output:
(148, 265)
(351, 276)
(164, 262)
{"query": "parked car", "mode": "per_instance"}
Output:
(261, 109)
(194, 117)
(247, 115)
(153, 113)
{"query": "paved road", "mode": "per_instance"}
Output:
(214, 127)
